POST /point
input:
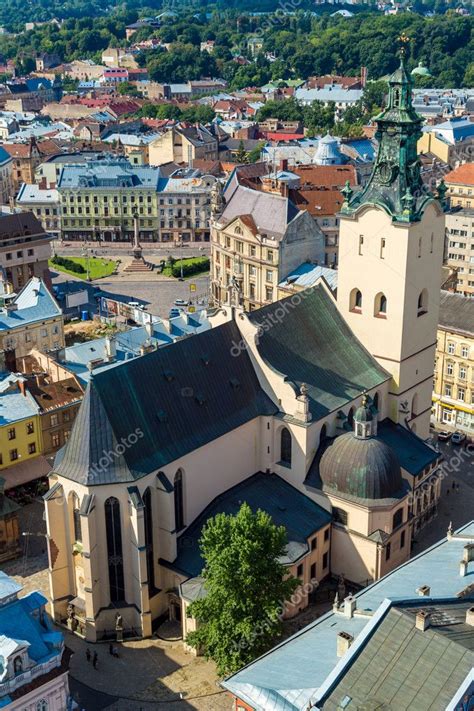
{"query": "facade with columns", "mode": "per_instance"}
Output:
(331, 397)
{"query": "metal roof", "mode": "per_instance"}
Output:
(456, 313)
(287, 506)
(312, 344)
(34, 303)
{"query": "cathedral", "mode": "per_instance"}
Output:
(314, 408)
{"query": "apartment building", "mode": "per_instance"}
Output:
(24, 249)
(44, 203)
(453, 390)
(183, 144)
(460, 246)
(460, 184)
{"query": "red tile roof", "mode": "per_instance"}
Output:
(463, 175)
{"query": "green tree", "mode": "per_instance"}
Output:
(241, 155)
(246, 587)
(126, 88)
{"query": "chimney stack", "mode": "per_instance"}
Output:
(422, 620)
(284, 164)
(424, 591)
(110, 348)
(470, 616)
(350, 606)
(344, 641)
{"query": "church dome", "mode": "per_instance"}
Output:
(363, 468)
(328, 151)
(421, 71)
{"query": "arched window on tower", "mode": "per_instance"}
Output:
(380, 305)
(113, 529)
(179, 500)
(423, 303)
(150, 559)
(350, 417)
(323, 434)
(376, 402)
(285, 447)
(355, 302)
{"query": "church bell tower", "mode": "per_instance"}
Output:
(390, 259)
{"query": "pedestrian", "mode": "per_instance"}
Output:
(95, 659)
(453, 485)
(88, 654)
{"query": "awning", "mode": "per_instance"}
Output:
(24, 472)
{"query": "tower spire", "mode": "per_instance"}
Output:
(395, 183)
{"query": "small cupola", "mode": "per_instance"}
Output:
(364, 424)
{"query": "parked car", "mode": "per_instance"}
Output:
(174, 312)
(180, 302)
(458, 437)
(444, 436)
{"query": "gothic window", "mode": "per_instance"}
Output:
(150, 561)
(285, 447)
(76, 518)
(423, 303)
(350, 417)
(376, 401)
(42, 705)
(397, 518)
(323, 434)
(178, 500)
(340, 516)
(18, 665)
(414, 405)
(380, 305)
(356, 301)
(113, 529)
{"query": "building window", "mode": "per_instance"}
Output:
(150, 558)
(355, 302)
(465, 351)
(461, 394)
(30, 428)
(325, 561)
(388, 551)
(11, 433)
(422, 303)
(76, 518)
(402, 539)
(314, 543)
(397, 518)
(448, 390)
(42, 705)
(31, 448)
(462, 372)
(340, 516)
(326, 534)
(285, 447)
(299, 570)
(312, 572)
(178, 500)
(113, 530)
(382, 248)
(54, 420)
(13, 455)
(18, 665)
(449, 368)
(361, 243)
(380, 305)
(451, 348)
(55, 440)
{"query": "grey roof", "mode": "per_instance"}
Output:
(287, 506)
(21, 224)
(271, 213)
(403, 668)
(456, 313)
(169, 402)
(113, 174)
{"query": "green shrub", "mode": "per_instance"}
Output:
(68, 264)
(195, 266)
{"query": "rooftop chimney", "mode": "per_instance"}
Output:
(422, 620)
(344, 641)
(470, 616)
(284, 164)
(110, 348)
(350, 606)
(424, 591)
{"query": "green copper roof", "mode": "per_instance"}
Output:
(395, 183)
(311, 343)
(421, 71)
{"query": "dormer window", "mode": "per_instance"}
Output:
(18, 665)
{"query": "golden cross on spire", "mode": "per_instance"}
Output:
(403, 40)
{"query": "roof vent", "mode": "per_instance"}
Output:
(235, 383)
(200, 399)
(424, 591)
(205, 359)
(162, 416)
(169, 375)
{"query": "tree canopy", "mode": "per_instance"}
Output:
(246, 588)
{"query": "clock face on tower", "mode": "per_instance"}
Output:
(387, 172)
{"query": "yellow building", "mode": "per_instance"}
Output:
(460, 184)
(453, 391)
(20, 427)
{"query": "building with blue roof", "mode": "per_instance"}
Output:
(33, 660)
(29, 319)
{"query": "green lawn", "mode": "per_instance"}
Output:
(97, 267)
(201, 265)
